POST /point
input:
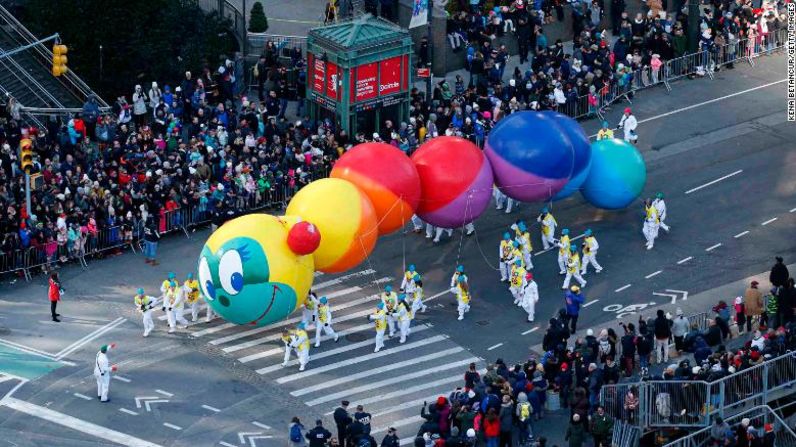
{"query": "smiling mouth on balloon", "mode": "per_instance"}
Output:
(265, 312)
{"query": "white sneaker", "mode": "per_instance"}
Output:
(461, 317)
(599, 271)
(301, 368)
(171, 331)
(317, 345)
(336, 337)
(284, 363)
(376, 350)
(193, 320)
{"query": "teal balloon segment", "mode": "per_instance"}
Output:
(617, 175)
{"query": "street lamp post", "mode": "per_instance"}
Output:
(430, 52)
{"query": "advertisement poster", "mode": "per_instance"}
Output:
(419, 13)
(390, 76)
(366, 83)
(331, 80)
(318, 75)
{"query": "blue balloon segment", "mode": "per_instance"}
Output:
(617, 175)
(581, 149)
(531, 155)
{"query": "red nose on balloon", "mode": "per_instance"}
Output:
(303, 238)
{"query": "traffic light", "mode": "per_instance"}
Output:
(26, 155)
(59, 59)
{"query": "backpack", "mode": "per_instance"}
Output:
(295, 433)
(525, 411)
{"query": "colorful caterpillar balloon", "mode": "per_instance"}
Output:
(258, 268)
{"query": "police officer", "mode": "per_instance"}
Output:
(144, 304)
(318, 436)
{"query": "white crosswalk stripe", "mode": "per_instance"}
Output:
(392, 384)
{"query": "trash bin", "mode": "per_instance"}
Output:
(553, 402)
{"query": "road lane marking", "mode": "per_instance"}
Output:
(325, 385)
(404, 405)
(130, 412)
(121, 378)
(390, 381)
(793, 210)
(712, 182)
(403, 422)
(590, 303)
(769, 221)
(531, 330)
(653, 274)
(684, 260)
(713, 247)
(226, 444)
(82, 396)
(413, 389)
(336, 281)
(261, 425)
(75, 423)
(88, 338)
(165, 393)
(172, 426)
(360, 359)
(622, 288)
(494, 346)
(741, 234)
(340, 350)
(213, 409)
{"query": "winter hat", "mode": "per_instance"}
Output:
(589, 332)
(738, 300)
(470, 433)
(745, 422)
(454, 431)
(441, 401)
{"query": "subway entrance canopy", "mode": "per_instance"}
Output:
(359, 73)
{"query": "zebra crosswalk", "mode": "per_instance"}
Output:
(391, 384)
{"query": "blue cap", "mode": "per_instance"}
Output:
(461, 278)
(517, 262)
(323, 300)
(411, 267)
(587, 232)
(545, 210)
(515, 244)
(506, 236)
(172, 275)
(301, 325)
(140, 291)
(380, 305)
(402, 297)
(173, 283)
(190, 275)
(605, 123)
(460, 269)
(388, 288)
(565, 231)
(522, 226)
(573, 247)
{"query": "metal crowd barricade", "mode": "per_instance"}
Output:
(669, 403)
(258, 41)
(625, 435)
(758, 416)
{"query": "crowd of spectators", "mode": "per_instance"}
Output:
(609, 51)
(160, 158)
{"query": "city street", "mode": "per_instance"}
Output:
(720, 150)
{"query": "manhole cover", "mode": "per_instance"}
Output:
(482, 322)
(356, 337)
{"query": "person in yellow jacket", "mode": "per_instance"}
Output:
(408, 281)
(191, 290)
(171, 293)
(302, 344)
(390, 300)
(324, 323)
(652, 223)
(309, 309)
(523, 237)
(563, 251)
(417, 297)
(549, 224)
(462, 292)
(590, 247)
(517, 281)
(144, 304)
(289, 339)
(404, 316)
(605, 133)
(573, 268)
(504, 256)
(380, 324)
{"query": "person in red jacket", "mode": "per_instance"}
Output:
(491, 428)
(54, 293)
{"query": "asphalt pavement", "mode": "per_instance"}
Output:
(723, 159)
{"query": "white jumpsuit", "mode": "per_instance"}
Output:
(563, 254)
(501, 198)
(324, 324)
(660, 206)
(573, 271)
(530, 297)
(548, 230)
(651, 225)
(628, 123)
(102, 372)
(146, 312)
(404, 317)
(590, 248)
(417, 301)
(380, 323)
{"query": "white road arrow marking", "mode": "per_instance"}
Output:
(242, 436)
(147, 401)
(254, 444)
(673, 294)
